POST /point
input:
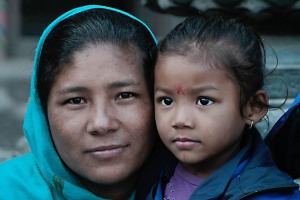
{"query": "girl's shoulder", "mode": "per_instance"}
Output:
(283, 195)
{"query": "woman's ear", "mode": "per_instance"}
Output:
(254, 112)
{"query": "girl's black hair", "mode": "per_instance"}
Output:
(91, 27)
(222, 43)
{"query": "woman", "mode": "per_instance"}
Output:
(89, 121)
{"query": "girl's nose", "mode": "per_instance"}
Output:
(102, 120)
(183, 118)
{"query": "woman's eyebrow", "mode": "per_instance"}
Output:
(73, 89)
(120, 84)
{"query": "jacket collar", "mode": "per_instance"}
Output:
(259, 175)
(249, 172)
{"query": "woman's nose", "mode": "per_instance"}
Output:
(183, 117)
(102, 119)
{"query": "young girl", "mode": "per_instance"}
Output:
(209, 78)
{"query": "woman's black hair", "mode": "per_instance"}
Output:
(91, 27)
(222, 43)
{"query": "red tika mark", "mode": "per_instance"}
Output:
(179, 90)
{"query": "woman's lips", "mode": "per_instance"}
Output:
(107, 152)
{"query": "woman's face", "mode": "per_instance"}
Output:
(100, 114)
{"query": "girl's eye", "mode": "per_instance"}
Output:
(76, 100)
(204, 101)
(125, 95)
(165, 101)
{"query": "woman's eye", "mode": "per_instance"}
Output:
(76, 100)
(203, 101)
(167, 101)
(125, 95)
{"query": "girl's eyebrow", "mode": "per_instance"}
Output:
(203, 89)
(164, 90)
(193, 90)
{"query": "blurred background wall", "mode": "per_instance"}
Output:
(22, 22)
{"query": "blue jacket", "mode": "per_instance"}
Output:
(41, 174)
(251, 174)
(284, 138)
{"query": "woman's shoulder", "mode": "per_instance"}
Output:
(20, 179)
(17, 162)
(16, 169)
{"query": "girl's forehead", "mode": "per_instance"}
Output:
(203, 59)
(179, 72)
(179, 89)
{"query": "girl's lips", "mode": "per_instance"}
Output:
(107, 152)
(185, 143)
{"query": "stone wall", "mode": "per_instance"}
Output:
(14, 89)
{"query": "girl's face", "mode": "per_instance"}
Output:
(197, 113)
(100, 115)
